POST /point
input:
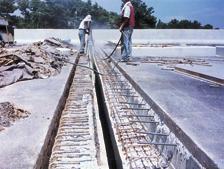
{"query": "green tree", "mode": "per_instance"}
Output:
(37, 8)
(114, 20)
(173, 24)
(196, 25)
(208, 26)
(144, 15)
(89, 3)
(23, 6)
(69, 13)
(161, 25)
(182, 24)
(7, 6)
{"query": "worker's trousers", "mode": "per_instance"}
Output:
(126, 43)
(82, 40)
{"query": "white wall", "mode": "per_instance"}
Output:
(175, 51)
(173, 36)
(33, 35)
(220, 50)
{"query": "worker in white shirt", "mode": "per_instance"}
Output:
(84, 28)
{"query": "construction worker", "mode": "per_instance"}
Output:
(84, 28)
(126, 28)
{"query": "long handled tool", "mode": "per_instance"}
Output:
(109, 56)
(66, 61)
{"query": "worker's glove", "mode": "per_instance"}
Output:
(87, 32)
(121, 29)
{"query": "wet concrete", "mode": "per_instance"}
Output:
(195, 106)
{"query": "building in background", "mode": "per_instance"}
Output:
(6, 32)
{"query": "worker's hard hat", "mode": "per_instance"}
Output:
(88, 18)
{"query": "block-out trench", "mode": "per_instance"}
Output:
(135, 135)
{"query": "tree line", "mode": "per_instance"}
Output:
(182, 24)
(58, 14)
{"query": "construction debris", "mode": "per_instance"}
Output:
(38, 60)
(172, 61)
(153, 45)
(9, 114)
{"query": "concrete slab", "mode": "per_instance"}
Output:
(175, 51)
(22, 143)
(195, 106)
(215, 72)
(220, 50)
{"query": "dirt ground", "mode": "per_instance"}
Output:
(9, 113)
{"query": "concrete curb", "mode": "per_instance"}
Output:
(204, 76)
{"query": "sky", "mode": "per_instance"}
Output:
(204, 11)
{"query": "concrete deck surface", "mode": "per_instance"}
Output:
(215, 70)
(21, 143)
(175, 51)
(220, 50)
(196, 106)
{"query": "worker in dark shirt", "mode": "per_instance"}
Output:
(126, 27)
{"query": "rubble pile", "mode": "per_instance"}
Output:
(38, 60)
(9, 114)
